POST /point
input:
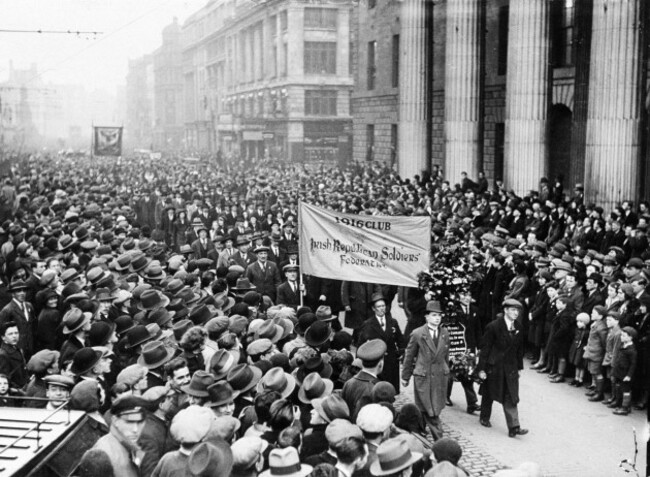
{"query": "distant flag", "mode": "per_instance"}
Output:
(107, 141)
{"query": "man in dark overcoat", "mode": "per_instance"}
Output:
(384, 327)
(359, 386)
(427, 358)
(355, 298)
(19, 311)
(500, 362)
(264, 274)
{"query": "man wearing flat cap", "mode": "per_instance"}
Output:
(500, 362)
(359, 387)
(121, 443)
(264, 274)
(22, 313)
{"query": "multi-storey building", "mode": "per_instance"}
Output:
(269, 79)
(168, 91)
(138, 131)
(519, 89)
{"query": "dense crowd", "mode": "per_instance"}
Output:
(166, 300)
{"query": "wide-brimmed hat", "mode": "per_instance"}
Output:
(152, 300)
(155, 354)
(84, 360)
(198, 386)
(17, 285)
(136, 336)
(314, 387)
(200, 315)
(220, 393)
(270, 331)
(243, 377)
(318, 333)
(286, 463)
(243, 285)
(315, 364)
(277, 380)
(324, 313)
(139, 262)
(154, 272)
(221, 363)
(74, 320)
(393, 456)
(161, 316)
(331, 407)
(213, 457)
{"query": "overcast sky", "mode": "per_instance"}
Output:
(130, 29)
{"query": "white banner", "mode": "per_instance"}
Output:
(363, 248)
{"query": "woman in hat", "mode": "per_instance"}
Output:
(181, 229)
(48, 335)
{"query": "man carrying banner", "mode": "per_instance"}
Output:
(384, 327)
(427, 358)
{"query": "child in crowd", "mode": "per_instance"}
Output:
(595, 352)
(576, 352)
(611, 348)
(623, 367)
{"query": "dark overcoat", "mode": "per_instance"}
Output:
(392, 336)
(501, 357)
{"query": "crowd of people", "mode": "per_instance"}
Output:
(166, 301)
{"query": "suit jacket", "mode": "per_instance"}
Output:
(428, 361)
(199, 251)
(26, 325)
(155, 442)
(12, 365)
(267, 280)
(280, 257)
(501, 357)
(591, 300)
(243, 260)
(286, 296)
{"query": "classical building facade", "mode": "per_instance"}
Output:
(518, 89)
(269, 79)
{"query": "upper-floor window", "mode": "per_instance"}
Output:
(320, 103)
(562, 33)
(320, 57)
(502, 45)
(372, 64)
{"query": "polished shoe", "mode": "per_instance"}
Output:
(591, 392)
(577, 384)
(448, 402)
(558, 379)
(573, 382)
(538, 366)
(552, 376)
(613, 405)
(517, 431)
(640, 406)
(607, 402)
(596, 398)
(485, 423)
(544, 371)
(473, 408)
(621, 411)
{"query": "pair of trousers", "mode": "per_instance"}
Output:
(509, 409)
(434, 425)
(468, 387)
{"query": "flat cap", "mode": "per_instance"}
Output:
(339, 429)
(374, 418)
(372, 350)
(512, 303)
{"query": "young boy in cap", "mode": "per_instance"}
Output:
(623, 366)
(595, 351)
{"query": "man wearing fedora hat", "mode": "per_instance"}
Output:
(19, 311)
(154, 355)
(427, 358)
(243, 256)
(286, 463)
(264, 274)
(384, 327)
(202, 245)
(500, 364)
(394, 458)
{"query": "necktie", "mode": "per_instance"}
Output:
(382, 324)
(293, 286)
(26, 312)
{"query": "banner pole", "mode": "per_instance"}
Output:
(299, 254)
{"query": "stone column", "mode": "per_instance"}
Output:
(613, 119)
(412, 90)
(462, 89)
(527, 95)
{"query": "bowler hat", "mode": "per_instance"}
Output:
(433, 306)
(315, 364)
(123, 323)
(100, 332)
(318, 333)
(243, 377)
(84, 360)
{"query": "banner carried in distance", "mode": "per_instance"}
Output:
(363, 248)
(107, 141)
